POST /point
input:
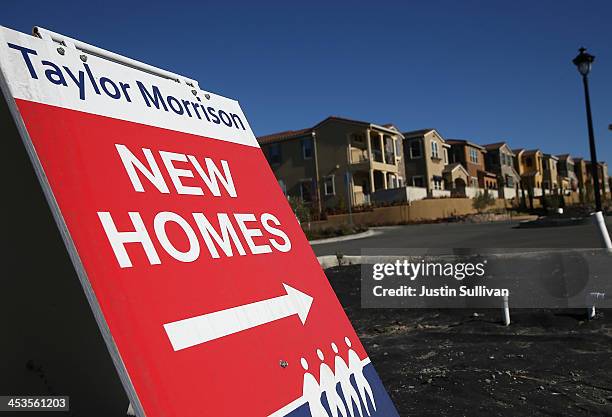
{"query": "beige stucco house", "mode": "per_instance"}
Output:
(602, 174)
(337, 162)
(568, 180)
(528, 164)
(426, 156)
(550, 175)
(499, 160)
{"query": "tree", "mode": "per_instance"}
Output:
(482, 201)
(301, 210)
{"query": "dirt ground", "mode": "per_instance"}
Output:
(466, 363)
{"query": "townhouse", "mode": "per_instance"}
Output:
(568, 181)
(340, 162)
(499, 160)
(472, 157)
(584, 187)
(550, 176)
(337, 162)
(426, 156)
(528, 164)
(602, 174)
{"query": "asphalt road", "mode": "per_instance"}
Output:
(469, 235)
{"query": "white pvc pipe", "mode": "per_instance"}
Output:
(591, 312)
(600, 223)
(103, 53)
(506, 311)
(604, 236)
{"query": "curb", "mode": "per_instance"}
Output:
(361, 235)
(329, 261)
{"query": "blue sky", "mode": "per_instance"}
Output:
(479, 70)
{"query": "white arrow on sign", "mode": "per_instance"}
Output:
(201, 329)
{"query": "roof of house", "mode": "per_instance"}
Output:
(531, 151)
(291, 134)
(564, 156)
(288, 134)
(465, 142)
(417, 133)
(452, 167)
(343, 119)
(518, 150)
(553, 157)
(495, 145)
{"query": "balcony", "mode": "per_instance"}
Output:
(381, 158)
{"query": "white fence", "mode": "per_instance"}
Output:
(416, 193)
(509, 193)
(407, 194)
(440, 193)
(471, 192)
(492, 193)
(403, 194)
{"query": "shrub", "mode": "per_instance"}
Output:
(301, 210)
(482, 201)
(333, 231)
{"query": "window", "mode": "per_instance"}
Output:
(358, 138)
(415, 149)
(434, 150)
(417, 181)
(274, 154)
(473, 156)
(437, 184)
(445, 156)
(400, 182)
(509, 181)
(389, 143)
(474, 182)
(307, 148)
(329, 186)
(306, 190)
(398, 147)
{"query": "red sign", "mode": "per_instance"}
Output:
(211, 299)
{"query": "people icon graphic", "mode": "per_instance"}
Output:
(327, 380)
(343, 377)
(356, 368)
(312, 393)
(313, 390)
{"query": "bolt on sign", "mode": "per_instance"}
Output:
(204, 287)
